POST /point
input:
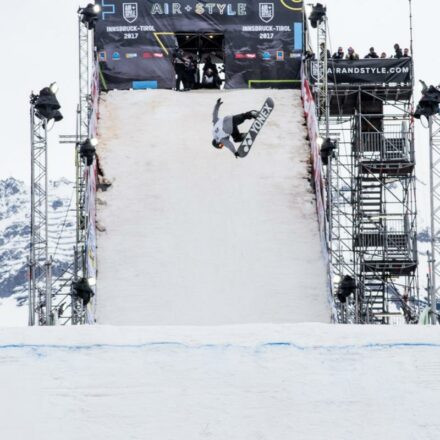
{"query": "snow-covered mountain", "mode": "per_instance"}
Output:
(15, 233)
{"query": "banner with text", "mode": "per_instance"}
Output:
(263, 41)
(368, 71)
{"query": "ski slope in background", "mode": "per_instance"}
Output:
(283, 382)
(194, 235)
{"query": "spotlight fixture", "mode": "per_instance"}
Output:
(89, 15)
(82, 290)
(346, 288)
(87, 150)
(46, 104)
(429, 103)
(327, 148)
(318, 13)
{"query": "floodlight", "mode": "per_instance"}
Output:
(429, 103)
(89, 15)
(87, 151)
(346, 288)
(317, 15)
(327, 150)
(47, 105)
(81, 290)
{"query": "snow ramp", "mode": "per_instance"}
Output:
(192, 235)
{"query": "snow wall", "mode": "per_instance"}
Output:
(191, 235)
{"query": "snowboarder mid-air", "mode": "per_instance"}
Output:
(227, 126)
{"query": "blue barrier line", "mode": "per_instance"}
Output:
(395, 345)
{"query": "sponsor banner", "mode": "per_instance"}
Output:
(249, 26)
(367, 71)
(321, 203)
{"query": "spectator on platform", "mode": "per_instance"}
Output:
(406, 53)
(398, 51)
(351, 55)
(210, 80)
(322, 52)
(179, 68)
(339, 55)
(372, 53)
(189, 73)
(309, 55)
(383, 55)
(210, 65)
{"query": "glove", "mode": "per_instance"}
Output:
(219, 101)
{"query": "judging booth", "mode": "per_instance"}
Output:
(259, 44)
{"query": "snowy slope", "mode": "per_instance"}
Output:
(283, 382)
(195, 236)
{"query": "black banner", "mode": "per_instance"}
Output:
(263, 41)
(393, 72)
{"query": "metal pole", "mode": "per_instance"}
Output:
(31, 320)
(49, 320)
(433, 232)
(411, 30)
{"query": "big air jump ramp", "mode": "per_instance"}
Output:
(192, 235)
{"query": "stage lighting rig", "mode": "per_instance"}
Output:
(89, 15)
(317, 15)
(327, 148)
(46, 103)
(82, 290)
(429, 103)
(87, 150)
(346, 288)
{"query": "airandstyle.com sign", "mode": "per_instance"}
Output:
(367, 71)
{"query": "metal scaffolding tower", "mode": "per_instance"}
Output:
(39, 261)
(373, 210)
(434, 179)
(53, 301)
(85, 41)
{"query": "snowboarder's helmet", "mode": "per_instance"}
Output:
(216, 144)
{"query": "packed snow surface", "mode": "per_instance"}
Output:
(283, 382)
(194, 235)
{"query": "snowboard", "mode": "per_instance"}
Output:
(256, 126)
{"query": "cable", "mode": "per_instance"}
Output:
(64, 224)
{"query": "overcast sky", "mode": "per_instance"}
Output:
(40, 46)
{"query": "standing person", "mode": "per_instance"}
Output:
(406, 53)
(351, 55)
(210, 65)
(339, 55)
(189, 73)
(179, 68)
(398, 51)
(227, 126)
(210, 81)
(372, 53)
(322, 52)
